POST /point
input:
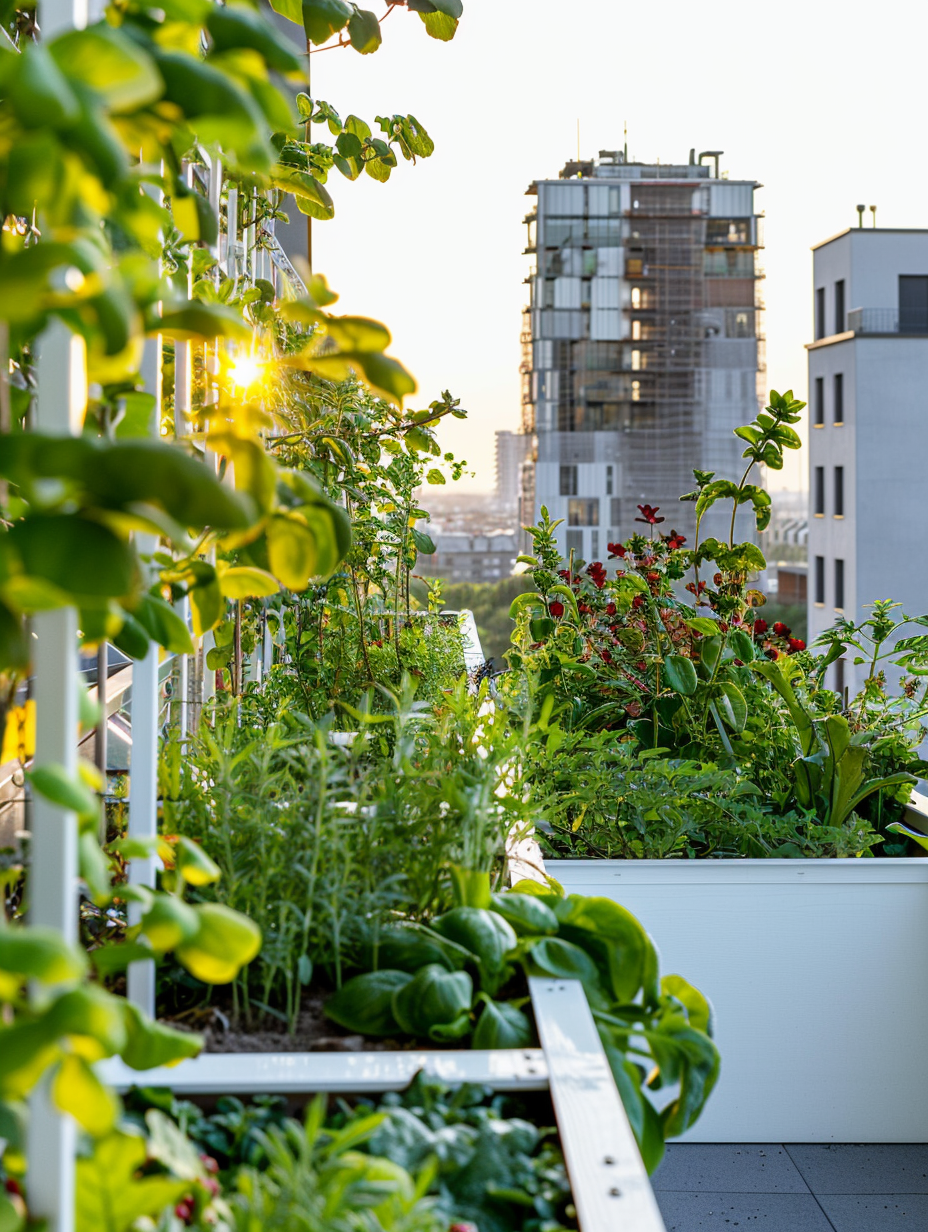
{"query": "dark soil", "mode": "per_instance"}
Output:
(314, 1033)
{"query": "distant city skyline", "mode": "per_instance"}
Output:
(435, 253)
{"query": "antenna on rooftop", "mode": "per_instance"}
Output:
(860, 215)
(625, 159)
(873, 212)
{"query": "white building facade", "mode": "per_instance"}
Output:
(640, 344)
(868, 436)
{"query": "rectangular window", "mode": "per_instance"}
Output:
(608, 480)
(820, 579)
(582, 512)
(819, 313)
(573, 542)
(839, 307)
(839, 398)
(594, 544)
(819, 493)
(818, 407)
(839, 584)
(913, 303)
(615, 514)
(568, 476)
(839, 491)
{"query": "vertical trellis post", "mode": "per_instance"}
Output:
(61, 372)
(143, 764)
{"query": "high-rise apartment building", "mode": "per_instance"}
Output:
(512, 449)
(868, 439)
(641, 341)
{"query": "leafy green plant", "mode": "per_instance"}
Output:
(537, 930)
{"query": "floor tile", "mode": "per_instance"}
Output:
(728, 1168)
(722, 1212)
(876, 1212)
(839, 1168)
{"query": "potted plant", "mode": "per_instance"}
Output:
(689, 761)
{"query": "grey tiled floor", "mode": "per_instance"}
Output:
(793, 1188)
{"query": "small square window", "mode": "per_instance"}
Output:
(582, 512)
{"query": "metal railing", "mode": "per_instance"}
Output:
(888, 321)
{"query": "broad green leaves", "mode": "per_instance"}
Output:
(110, 1196)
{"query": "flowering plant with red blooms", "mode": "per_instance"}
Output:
(649, 515)
(616, 550)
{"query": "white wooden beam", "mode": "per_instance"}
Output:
(610, 1184)
(302, 1073)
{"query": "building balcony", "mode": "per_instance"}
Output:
(888, 321)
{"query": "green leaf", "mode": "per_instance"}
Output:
(423, 542)
(114, 65)
(435, 1003)
(92, 1013)
(312, 198)
(680, 674)
(236, 25)
(77, 1089)
(689, 1057)
(698, 1009)
(630, 956)
(225, 942)
(741, 645)
(502, 1025)
(564, 960)
(488, 936)
(65, 790)
(163, 624)
(193, 864)
(439, 25)
(150, 1044)
(732, 706)
(407, 946)
(529, 916)
(196, 321)
(169, 922)
(364, 31)
(74, 553)
(39, 954)
(897, 827)
(245, 581)
(323, 18)
(365, 1004)
(110, 1197)
(38, 92)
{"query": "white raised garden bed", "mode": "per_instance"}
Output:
(818, 973)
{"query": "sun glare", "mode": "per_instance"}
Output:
(246, 372)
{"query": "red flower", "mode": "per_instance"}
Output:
(13, 1186)
(773, 654)
(610, 609)
(717, 579)
(184, 1209)
(796, 644)
(694, 590)
(638, 602)
(649, 515)
(597, 574)
(584, 608)
(654, 577)
(781, 630)
(675, 541)
(738, 662)
(605, 656)
(760, 626)
(556, 608)
(616, 549)
(564, 573)
(723, 626)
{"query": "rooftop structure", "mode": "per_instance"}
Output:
(641, 342)
(868, 443)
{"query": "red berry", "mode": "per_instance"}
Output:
(556, 608)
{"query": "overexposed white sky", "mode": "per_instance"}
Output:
(823, 103)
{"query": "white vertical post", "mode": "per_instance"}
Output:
(62, 399)
(143, 763)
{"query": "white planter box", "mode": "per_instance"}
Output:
(818, 973)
